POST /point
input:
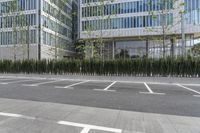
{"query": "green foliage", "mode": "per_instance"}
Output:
(196, 49)
(124, 54)
(139, 67)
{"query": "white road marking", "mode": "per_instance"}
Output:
(154, 93)
(87, 128)
(148, 88)
(196, 95)
(5, 83)
(72, 84)
(110, 85)
(150, 91)
(10, 115)
(187, 88)
(42, 83)
(107, 88)
(191, 84)
(16, 116)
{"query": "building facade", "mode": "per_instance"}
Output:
(35, 29)
(136, 28)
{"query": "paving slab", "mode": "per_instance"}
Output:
(127, 121)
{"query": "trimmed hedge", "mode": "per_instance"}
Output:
(139, 67)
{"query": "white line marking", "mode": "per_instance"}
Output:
(154, 93)
(72, 85)
(191, 84)
(196, 95)
(148, 88)
(10, 115)
(110, 85)
(106, 89)
(5, 83)
(16, 115)
(87, 128)
(150, 91)
(188, 89)
(42, 83)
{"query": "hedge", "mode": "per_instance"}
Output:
(139, 67)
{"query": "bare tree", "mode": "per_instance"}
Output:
(18, 21)
(95, 42)
(164, 15)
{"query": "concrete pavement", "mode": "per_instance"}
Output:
(43, 117)
(43, 104)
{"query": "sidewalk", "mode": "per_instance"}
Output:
(44, 117)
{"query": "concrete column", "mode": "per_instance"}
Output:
(191, 45)
(113, 49)
(92, 50)
(172, 47)
(147, 47)
(183, 35)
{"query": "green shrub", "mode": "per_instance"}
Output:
(139, 67)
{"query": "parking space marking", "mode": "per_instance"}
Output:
(150, 91)
(5, 83)
(42, 83)
(148, 88)
(87, 128)
(107, 88)
(189, 89)
(68, 87)
(10, 115)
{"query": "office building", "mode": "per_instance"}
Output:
(36, 29)
(136, 28)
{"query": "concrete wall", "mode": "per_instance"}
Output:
(8, 52)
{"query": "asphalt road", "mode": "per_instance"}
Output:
(148, 97)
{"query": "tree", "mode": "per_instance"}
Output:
(13, 17)
(196, 49)
(93, 29)
(167, 24)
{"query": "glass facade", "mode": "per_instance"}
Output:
(192, 8)
(116, 15)
(17, 5)
(58, 19)
(14, 22)
(126, 7)
(126, 22)
(42, 23)
(130, 20)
